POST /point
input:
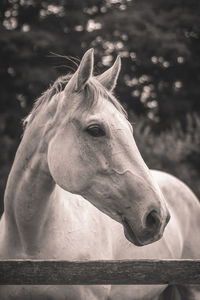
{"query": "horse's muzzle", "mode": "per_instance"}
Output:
(151, 232)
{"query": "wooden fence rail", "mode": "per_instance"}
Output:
(126, 272)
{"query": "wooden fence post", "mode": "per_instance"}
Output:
(126, 272)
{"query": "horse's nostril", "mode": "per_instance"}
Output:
(153, 220)
(168, 218)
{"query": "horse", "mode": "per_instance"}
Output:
(80, 190)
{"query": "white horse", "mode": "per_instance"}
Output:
(80, 190)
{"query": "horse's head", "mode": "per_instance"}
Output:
(93, 153)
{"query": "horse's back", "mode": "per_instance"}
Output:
(185, 206)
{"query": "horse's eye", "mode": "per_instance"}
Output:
(95, 130)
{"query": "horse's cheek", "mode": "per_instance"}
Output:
(67, 166)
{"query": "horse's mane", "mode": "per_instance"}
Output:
(55, 88)
(93, 90)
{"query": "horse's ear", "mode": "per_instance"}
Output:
(109, 78)
(84, 71)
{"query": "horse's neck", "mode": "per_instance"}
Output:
(29, 189)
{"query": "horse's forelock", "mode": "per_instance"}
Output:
(94, 91)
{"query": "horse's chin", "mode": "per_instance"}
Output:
(133, 238)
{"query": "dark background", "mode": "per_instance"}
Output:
(159, 85)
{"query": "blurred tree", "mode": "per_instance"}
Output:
(160, 43)
(158, 40)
